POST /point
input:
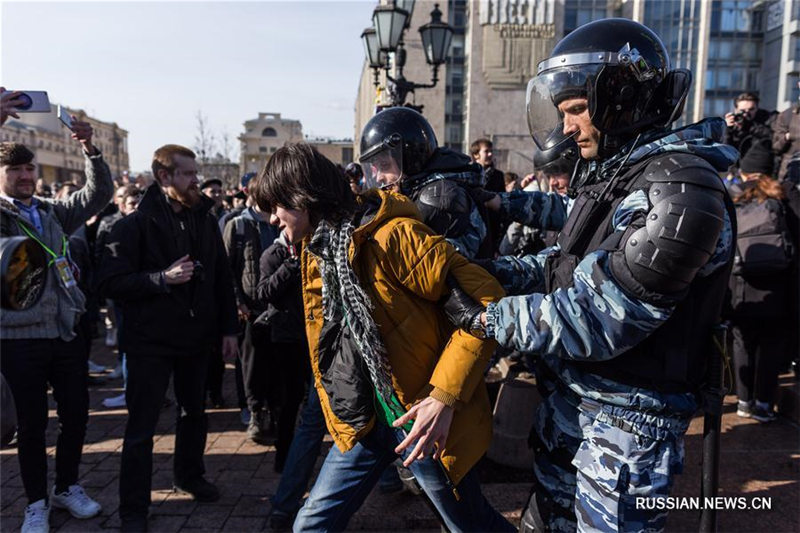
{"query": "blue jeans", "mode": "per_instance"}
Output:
(346, 479)
(302, 456)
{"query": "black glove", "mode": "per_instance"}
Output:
(480, 195)
(460, 308)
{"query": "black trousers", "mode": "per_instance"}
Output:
(758, 352)
(28, 366)
(258, 372)
(216, 370)
(148, 378)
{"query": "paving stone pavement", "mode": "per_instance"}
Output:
(757, 461)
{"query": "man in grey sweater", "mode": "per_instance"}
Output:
(42, 345)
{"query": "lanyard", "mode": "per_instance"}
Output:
(28, 232)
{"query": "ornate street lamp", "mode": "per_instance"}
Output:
(436, 36)
(386, 36)
(408, 7)
(389, 23)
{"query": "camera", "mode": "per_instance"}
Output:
(740, 117)
(199, 272)
(33, 102)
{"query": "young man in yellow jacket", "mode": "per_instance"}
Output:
(394, 377)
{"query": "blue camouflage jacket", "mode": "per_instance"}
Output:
(595, 320)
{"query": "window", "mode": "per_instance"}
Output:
(273, 149)
(269, 132)
(262, 149)
(347, 155)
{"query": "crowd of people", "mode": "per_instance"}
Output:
(372, 299)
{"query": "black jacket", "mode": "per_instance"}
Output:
(161, 319)
(243, 242)
(280, 291)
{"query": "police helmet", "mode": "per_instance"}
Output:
(623, 70)
(396, 142)
(558, 159)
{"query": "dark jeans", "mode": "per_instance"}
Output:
(758, 351)
(346, 480)
(148, 378)
(293, 369)
(302, 457)
(257, 375)
(28, 366)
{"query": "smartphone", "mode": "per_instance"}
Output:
(33, 102)
(63, 116)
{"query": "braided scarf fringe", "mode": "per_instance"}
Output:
(341, 291)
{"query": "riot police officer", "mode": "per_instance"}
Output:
(620, 313)
(399, 152)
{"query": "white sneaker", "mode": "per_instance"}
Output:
(115, 401)
(111, 337)
(76, 502)
(95, 368)
(37, 518)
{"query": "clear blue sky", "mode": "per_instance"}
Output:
(150, 66)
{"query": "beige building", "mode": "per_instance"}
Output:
(338, 151)
(263, 136)
(58, 156)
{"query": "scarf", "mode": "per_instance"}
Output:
(344, 300)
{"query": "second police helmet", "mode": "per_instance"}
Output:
(395, 143)
(622, 69)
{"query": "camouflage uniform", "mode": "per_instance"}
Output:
(623, 441)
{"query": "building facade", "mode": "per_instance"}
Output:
(58, 157)
(340, 151)
(263, 136)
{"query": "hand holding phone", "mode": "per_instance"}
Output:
(64, 117)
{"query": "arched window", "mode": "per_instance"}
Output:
(269, 132)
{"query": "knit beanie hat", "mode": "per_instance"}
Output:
(758, 158)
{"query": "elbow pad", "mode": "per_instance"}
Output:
(445, 207)
(681, 229)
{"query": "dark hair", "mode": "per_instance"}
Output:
(12, 154)
(476, 145)
(164, 158)
(298, 177)
(510, 177)
(746, 96)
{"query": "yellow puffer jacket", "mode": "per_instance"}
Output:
(402, 265)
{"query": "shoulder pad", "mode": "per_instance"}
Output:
(446, 196)
(683, 168)
(681, 173)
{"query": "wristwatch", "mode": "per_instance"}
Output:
(476, 328)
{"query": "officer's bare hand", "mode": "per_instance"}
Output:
(9, 101)
(230, 348)
(432, 420)
(527, 180)
(82, 132)
(180, 271)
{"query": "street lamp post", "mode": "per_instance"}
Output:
(384, 47)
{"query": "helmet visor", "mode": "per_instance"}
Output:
(547, 90)
(383, 169)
